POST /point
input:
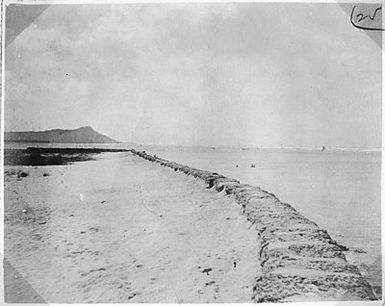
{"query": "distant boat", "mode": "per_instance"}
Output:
(245, 148)
(323, 148)
(212, 148)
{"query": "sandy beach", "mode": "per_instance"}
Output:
(192, 152)
(122, 229)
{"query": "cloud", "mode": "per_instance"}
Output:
(208, 74)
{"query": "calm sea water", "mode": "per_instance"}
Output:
(339, 190)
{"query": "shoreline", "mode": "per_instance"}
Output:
(299, 260)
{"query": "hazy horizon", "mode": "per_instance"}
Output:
(218, 74)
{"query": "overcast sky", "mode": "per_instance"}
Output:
(199, 74)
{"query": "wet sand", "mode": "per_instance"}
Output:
(121, 229)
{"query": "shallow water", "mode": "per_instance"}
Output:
(339, 190)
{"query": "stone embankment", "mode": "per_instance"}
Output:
(299, 260)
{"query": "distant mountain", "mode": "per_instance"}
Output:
(84, 134)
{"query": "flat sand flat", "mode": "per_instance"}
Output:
(121, 229)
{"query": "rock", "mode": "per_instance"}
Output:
(358, 250)
(131, 296)
(21, 174)
(207, 271)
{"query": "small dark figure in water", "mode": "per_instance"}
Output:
(155, 155)
(236, 166)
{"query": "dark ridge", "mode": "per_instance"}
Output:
(84, 134)
(51, 156)
(72, 150)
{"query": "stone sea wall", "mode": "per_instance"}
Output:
(299, 260)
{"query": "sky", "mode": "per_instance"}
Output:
(219, 74)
